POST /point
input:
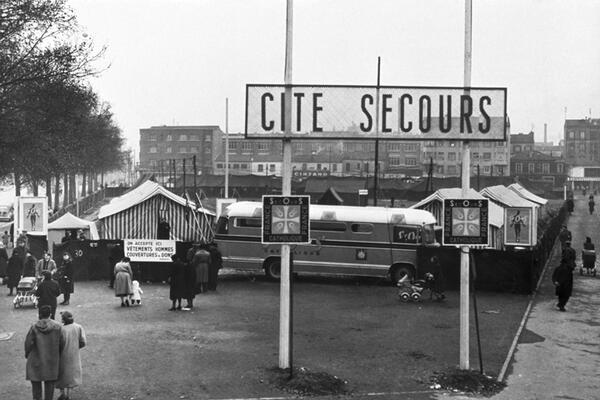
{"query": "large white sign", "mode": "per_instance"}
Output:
(389, 112)
(32, 215)
(148, 250)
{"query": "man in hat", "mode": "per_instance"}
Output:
(564, 235)
(562, 277)
(47, 292)
(569, 255)
(42, 351)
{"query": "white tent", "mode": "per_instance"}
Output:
(67, 222)
(434, 203)
(526, 194)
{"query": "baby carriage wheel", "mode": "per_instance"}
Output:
(404, 296)
(416, 296)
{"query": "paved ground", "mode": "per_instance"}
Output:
(354, 329)
(558, 355)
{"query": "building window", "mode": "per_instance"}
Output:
(486, 169)
(517, 148)
(487, 144)
(545, 168)
(207, 150)
(531, 168)
(451, 169)
(182, 150)
(440, 156)
(272, 167)
(246, 147)
(347, 167)
(571, 135)
(440, 169)
(153, 149)
(334, 167)
(581, 135)
(394, 161)
(263, 147)
(169, 138)
(260, 168)
(519, 168)
(559, 168)
(298, 146)
(236, 166)
(318, 167)
(349, 147)
(499, 144)
(411, 161)
(475, 156)
(232, 146)
(244, 166)
(219, 165)
(314, 146)
(358, 166)
(193, 149)
(411, 147)
(152, 138)
(183, 138)
(207, 138)
(452, 156)
(487, 156)
(169, 149)
(394, 146)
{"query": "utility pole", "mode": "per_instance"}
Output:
(375, 178)
(285, 289)
(466, 177)
(226, 147)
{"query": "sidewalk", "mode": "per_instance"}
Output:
(558, 354)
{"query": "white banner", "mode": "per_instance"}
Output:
(148, 250)
(389, 112)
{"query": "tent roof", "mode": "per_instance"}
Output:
(526, 194)
(140, 194)
(496, 213)
(507, 197)
(70, 221)
(331, 192)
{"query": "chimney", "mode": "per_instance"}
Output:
(545, 132)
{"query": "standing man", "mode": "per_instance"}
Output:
(45, 264)
(564, 236)
(569, 255)
(42, 351)
(216, 263)
(562, 277)
(47, 292)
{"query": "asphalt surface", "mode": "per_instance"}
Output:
(558, 354)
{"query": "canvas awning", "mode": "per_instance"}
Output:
(69, 221)
(526, 194)
(507, 197)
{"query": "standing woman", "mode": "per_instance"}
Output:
(69, 372)
(13, 271)
(65, 278)
(201, 262)
(29, 266)
(3, 260)
(177, 282)
(123, 278)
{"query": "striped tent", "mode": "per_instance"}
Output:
(136, 215)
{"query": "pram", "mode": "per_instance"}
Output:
(413, 290)
(26, 292)
(588, 262)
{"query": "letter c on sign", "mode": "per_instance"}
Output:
(263, 112)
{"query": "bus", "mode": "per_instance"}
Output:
(344, 240)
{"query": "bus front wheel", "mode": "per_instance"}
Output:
(400, 271)
(273, 270)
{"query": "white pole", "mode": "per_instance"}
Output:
(285, 304)
(466, 175)
(226, 147)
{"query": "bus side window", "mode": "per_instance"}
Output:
(362, 228)
(330, 226)
(248, 222)
(222, 226)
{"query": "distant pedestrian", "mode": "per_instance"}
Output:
(216, 263)
(588, 255)
(189, 289)
(47, 292)
(45, 264)
(562, 277)
(29, 266)
(136, 293)
(439, 283)
(73, 339)
(43, 345)
(64, 275)
(123, 278)
(3, 262)
(13, 272)
(5, 238)
(177, 283)
(116, 255)
(201, 261)
(564, 236)
(570, 205)
(66, 238)
(81, 235)
(591, 205)
(569, 255)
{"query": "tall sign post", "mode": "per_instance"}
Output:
(227, 148)
(466, 184)
(285, 301)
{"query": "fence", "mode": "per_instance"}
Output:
(88, 202)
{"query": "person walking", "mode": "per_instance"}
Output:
(116, 255)
(123, 278)
(569, 255)
(591, 204)
(216, 263)
(47, 292)
(3, 261)
(189, 288)
(73, 339)
(562, 277)
(13, 272)
(43, 345)
(564, 235)
(64, 274)
(45, 264)
(201, 261)
(29, 266)
(588, 255)
(177, 282)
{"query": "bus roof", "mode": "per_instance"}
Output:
(399, 216)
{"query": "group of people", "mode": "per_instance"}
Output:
(127, 289)
(52, 353)
(196, 275)
(562, 276)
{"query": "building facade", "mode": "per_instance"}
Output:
(537, 166)
(582, 142)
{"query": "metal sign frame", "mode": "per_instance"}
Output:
(285, 219)
(464, 212)
(376, 135)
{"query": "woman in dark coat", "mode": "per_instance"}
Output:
(563, 280)
(189, 272)
(29, 267)
(177, 282)
(3, 260)
(13, 272)
(65, 278)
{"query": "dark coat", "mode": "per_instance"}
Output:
(43, 345)
(588, 255)
(64, 275)
(569, 256)
(564, 236)
(47, 292)
(29, 267)
(563, 279)
(177, 281)
(3, 262)
(189, 272)
(14, 269)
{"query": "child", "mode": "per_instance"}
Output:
(136, 296)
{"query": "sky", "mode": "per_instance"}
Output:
(174, 62)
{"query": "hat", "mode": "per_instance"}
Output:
(67, 317)
(47, 274)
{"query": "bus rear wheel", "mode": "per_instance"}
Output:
(273, 270)
(400, 271)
